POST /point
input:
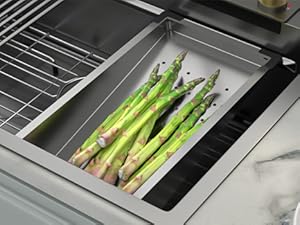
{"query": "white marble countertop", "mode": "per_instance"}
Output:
(265, 188)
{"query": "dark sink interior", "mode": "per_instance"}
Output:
(105, 25)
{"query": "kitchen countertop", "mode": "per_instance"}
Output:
(264, 189)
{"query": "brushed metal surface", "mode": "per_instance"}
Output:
(20, 204)
(129, 60)
(56, 196)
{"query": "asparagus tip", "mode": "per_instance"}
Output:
(182, 56)
(156, 68)
(216, 74)
(198, 80)
(210, 98)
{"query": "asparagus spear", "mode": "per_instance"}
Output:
(136, 161)
(111, 175)
(135, 127)
(93, 161)
(121, 183)
(170, 83)
(185, 126)
(97, 162)
(109, 136)
(142, 138)
(154, 78)
(86, 154)
(88, 149)
(146, 172)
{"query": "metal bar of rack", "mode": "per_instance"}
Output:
(27, 18)
(22, 9)
(35, 65)
(3, 4)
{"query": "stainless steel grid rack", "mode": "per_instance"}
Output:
(35, 65)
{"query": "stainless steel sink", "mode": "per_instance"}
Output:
(242, 67)
(65, 72)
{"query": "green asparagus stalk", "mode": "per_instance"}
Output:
(109, 136)
(142, 138)
(111, 175)
(185, 126)
(88, 149)
(135, 127)
(170, 83)
(146, 172)
(140, 142)
(96, 163)
(136, 161)
(154, 78)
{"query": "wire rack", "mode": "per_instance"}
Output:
(35, 65)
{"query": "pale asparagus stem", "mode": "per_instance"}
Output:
(95, 164)
(140, 142)
(108, 137)
(142, 137)
(121, 183)
(92, 162)
(84, 153)
(136, 161)
(135, 127)
(145, 173)
(111, 175)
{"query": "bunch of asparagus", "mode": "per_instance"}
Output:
(120, 149)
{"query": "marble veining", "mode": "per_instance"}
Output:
(265, 188)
